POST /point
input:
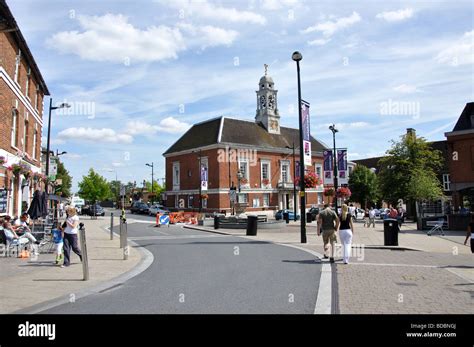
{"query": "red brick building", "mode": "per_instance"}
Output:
(260, 150)
(22, 89)
(461, 159)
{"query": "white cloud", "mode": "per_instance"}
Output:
(95, 135)
(72, 156)
(117, 164)
(346, 126)
(318, 42)
(172, 125)
(396, 16)
(207, 10)
(459, 53)
(277, 4)
(112, 38)
(138, 127)
(405, 88)
(209, 36)
(328, 28)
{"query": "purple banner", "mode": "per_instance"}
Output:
(298, 169)
(305, 120)
(327, 164)
(342, 159)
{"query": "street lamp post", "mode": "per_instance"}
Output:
(48, 141)
(199, 179)
(334, 131)
(294, 180)
(152, 180)
(298, 57)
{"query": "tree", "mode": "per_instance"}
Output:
(94, 187)
(114, 189)
(409, 161)
(65, 187)
(363, 185)
(157, 189)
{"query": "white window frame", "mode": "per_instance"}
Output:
(27, 86)
(268, 164)
(242, 198)
(17, 66)
(176, 201)
(256, 202)
(36, 96)
(35, 137)
(320, 167)
(266, 199)
(247, 168)
(285, 163)
(176, 176)
(26, 124)
(14, 130)
(446, 182)
(190, 197)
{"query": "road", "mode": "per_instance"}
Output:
(199, 272)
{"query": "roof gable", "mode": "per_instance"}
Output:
(466, 119)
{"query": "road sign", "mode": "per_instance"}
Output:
(122, 190)
(164, 220)
(233, 195)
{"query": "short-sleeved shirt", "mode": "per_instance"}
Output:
(371, 214)
(328, 217)
(71, 220)
(472, 229)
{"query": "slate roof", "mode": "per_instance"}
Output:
(466, 120)
(238, 131)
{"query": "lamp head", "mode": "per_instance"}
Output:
(296, 56)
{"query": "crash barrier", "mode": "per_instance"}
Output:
(184, 217)
(235, 222)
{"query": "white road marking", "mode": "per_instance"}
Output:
(172, 237)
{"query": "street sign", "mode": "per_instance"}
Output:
(164, 220)
(233, 195)
(53, 166)
(122, 190)
(77, 201)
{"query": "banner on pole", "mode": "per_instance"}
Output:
(328, 167)
(305, 121)
(203, 177)
(342, 166)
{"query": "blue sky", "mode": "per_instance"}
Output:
(148, 70)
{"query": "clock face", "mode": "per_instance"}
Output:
(274, 125)
(263, 101)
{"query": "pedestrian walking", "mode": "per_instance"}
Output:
(70, 236)
(400, 216)
(371, 217)
(61, 209)
(366, 217)
(346, 230)
(58, 239)
(470, 233)
(393, 213)
(329, 223)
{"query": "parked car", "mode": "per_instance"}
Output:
(85, 210)
(139, 207)
(96, 210)
(279, 215)
(154, 209)
(360, 214)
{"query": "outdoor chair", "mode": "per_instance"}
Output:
(438, 227)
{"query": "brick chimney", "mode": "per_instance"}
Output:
(411, 132)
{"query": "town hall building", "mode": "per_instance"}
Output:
(254, 159)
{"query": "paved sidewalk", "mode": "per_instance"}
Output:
(426, 274)
(28, 282)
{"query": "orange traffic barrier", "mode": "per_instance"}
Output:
(157, 220)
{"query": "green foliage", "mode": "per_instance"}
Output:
(409, 171)
(65, 187)
(94, 187)
(363, 185)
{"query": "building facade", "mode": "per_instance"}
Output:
(22, 89)
(460, 143)
(254, 157)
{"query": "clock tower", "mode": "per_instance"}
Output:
(267, 110)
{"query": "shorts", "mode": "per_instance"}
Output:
(472, 245)
(59, 247)
(329, 236)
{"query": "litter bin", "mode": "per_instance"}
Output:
(309, 217)
(390, 232)
(216, 222)
(252, 222)
(286, 217)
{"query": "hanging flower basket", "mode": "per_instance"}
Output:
(265, 181)
(311, 180)
(15, 169)
(328, 192)
(204, 196)
(3, 160)
(244, 181)
(343, 192)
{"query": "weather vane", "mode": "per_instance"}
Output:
(266, 68)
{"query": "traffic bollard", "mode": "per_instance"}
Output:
(85, 260)
(112, 226)
(123, 238)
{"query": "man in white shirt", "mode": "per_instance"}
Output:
(371, 217)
